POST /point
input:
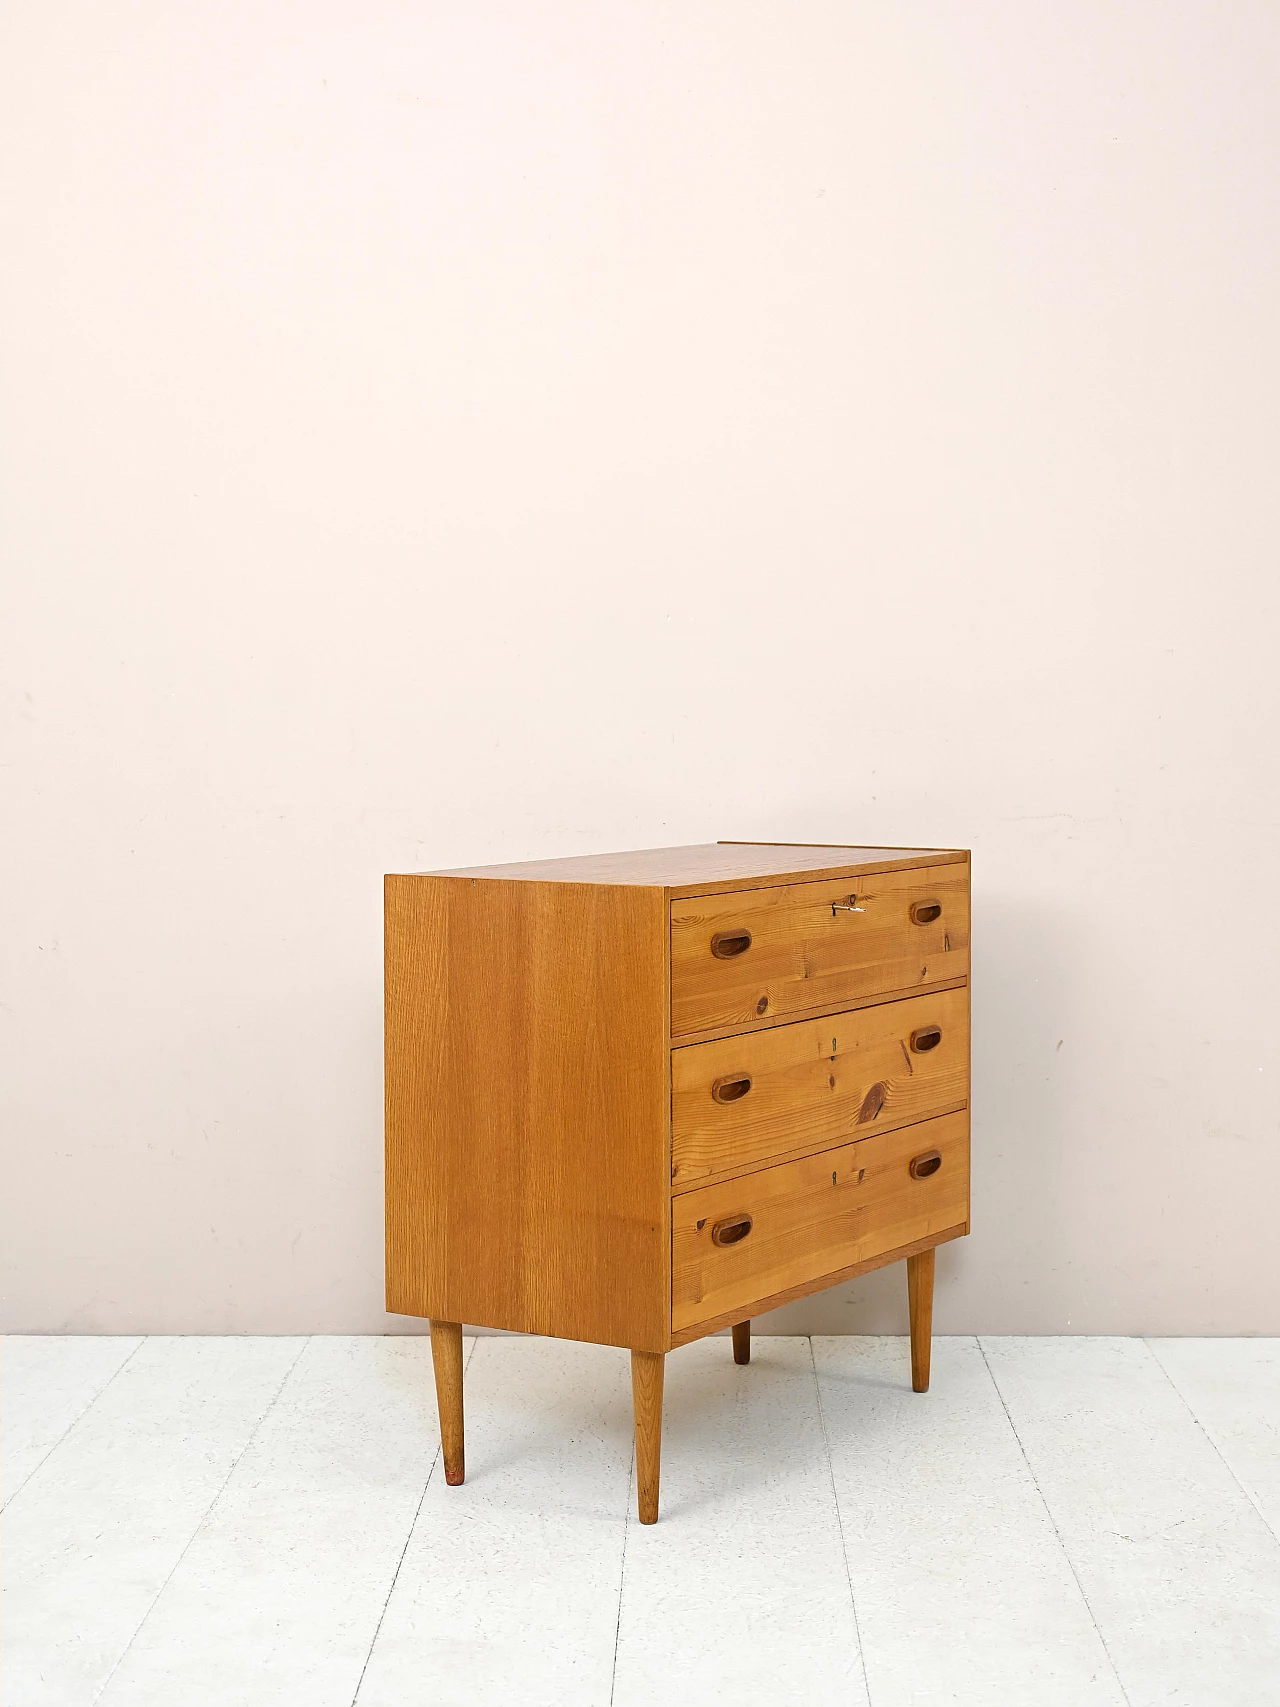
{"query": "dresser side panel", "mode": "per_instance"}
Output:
(527, 1150)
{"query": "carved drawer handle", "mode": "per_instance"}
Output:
(731, 1089)
(732, 1230)
(926, 1038)
(929, 1163)
(727, 945)
(925, 912)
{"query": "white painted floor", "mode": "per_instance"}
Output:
(261, 1521)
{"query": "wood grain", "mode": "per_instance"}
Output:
(813, 1217)
(708, 867)
(647, 1371)
(804, 955)
(806, 1288)
(446, 1356)
(713, 1034)
(527, 1151)
(920, 1307)
(813, 1084)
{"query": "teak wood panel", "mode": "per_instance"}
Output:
(527, 1172)
(709, 866)
(815, 1083)
(807, 951)
(815, 1217)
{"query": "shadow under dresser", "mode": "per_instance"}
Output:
(636, 1098)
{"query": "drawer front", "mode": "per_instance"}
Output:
(814, 1217)
(742, 1100)
(758, 953)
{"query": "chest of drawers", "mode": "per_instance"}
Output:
(637, 1098)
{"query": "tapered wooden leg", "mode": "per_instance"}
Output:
(920, 1300)
(446, 1354)
(647, 1369)
(742, 1342)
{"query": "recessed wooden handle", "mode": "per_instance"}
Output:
(731, 1089)
(727, 945)
(926, 1038)
(923, 1166)
(732, 1230)
(925, 912)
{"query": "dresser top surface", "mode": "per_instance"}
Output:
(709, 866)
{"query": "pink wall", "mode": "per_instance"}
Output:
(443, 433)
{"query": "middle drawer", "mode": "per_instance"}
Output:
(745, 1100)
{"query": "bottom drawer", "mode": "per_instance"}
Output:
(814, 1217)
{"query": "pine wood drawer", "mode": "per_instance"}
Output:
(751, 955)
(741, 1101)
(812, 1218)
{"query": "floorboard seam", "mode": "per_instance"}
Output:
(1226, 1464)
(253, 1435)
(1035, 1482)
(395, 1576)
(831, 1471)
(75, 1421)
(622, 1578)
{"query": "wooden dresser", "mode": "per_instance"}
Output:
(635, 1098)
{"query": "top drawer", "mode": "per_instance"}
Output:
(763, 953)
